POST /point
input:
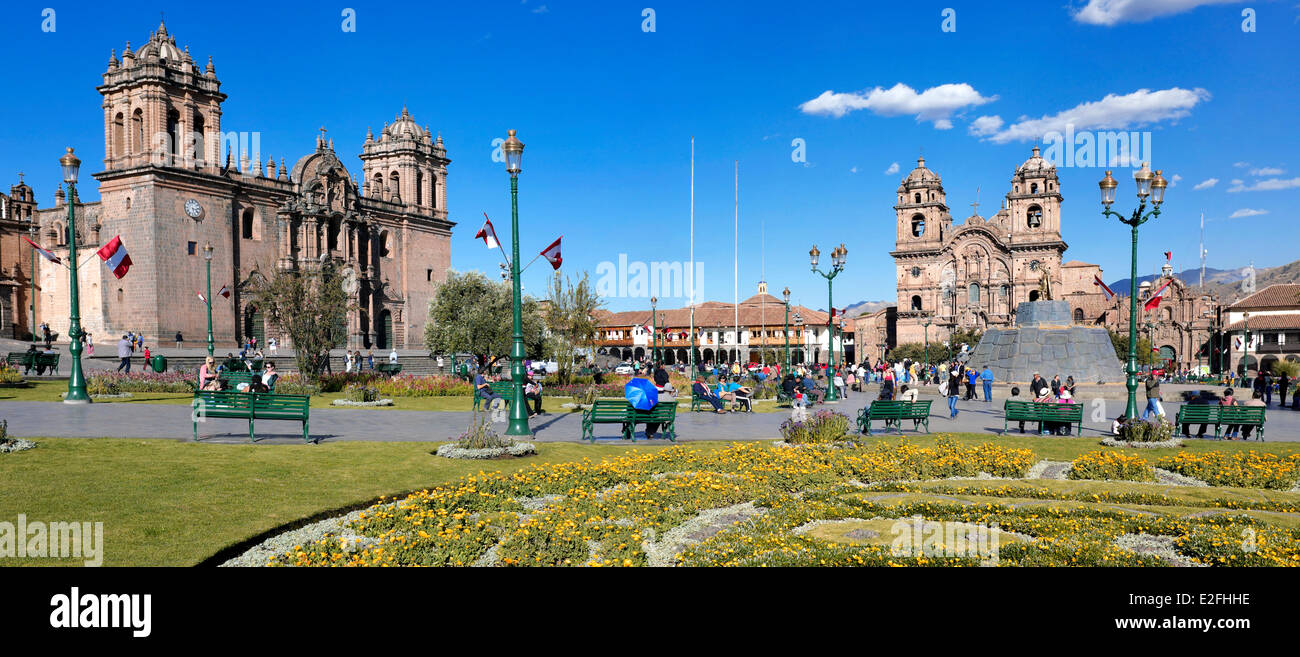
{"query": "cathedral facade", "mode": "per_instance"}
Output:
(971, 276)
(166, 191)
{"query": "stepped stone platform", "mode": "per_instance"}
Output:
(1047, 341)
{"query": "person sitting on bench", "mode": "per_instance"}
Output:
(702, 391)
(490, 399)
(887, 390)
(910, 394)
(1256, 400)
(810, 389)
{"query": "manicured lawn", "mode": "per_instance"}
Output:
(1067, 449)
(166, 503)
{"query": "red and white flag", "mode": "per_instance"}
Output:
(44, 253)
(552, 253)
(487, 233)
(1105, 289)
(1154, 301)
(202, 298)
(225, 291)
(115, 257)
(1169, 256)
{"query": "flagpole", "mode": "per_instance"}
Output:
(691, 265)
(735, 264)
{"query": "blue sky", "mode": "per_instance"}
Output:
(607, 111)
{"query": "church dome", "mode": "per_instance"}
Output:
(405, 127)
(1036, 165)
(921, 174)
(162, 46)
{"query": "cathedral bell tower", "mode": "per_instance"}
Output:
(160, 109)
(408, 166)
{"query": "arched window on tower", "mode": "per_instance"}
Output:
(332, 237)
(916, 303)
(433, 190)
(419, 187)
(137, 131)
(173, 132)
(1034, 218)
(378, 190)
(247, 224)
(384, 246)
(918, 197)
(119, 134)
(395, 182)
(918, 225)
(196, 140)
(1078, 315)
(1033, 188)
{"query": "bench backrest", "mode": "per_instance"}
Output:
(287, 404)
(1195, 412)
(1241, 413)
(879, 407)
(609, 409)
(660, 411)
(224, 399)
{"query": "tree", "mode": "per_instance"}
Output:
(470, 314)
(1120, 340)
(571, 319)
(310, 306)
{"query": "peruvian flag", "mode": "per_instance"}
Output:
(1110, 294)
(225, 291)
(552, 253)
(1169, 256)
(44, 254)
(487, 234)
(1154, 301)
(114, 255)
(202, 298)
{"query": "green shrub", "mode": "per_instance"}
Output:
(1138, 431)
(361, 393)
(822, 428)
(481, 435)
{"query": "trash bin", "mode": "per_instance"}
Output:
(159, 363)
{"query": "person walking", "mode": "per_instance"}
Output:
(1153, 398)
(273, 345)
(987, 377)
(954, 385)
(124, 352)
(370, 358)
(1264, 386)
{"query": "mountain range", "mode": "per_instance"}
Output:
(1224, 283)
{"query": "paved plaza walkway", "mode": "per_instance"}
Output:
(138, 420)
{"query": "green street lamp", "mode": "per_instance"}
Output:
(513, 149)
(785, 294)
(31, 230)
(927, 342)
(1245, 359)
(207, 257)
(839, 256)
(1152, 186)
(654, 332)
(77, 380)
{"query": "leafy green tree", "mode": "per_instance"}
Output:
(1120, 340)
(311, 307)
(571, 320)
(470, 314)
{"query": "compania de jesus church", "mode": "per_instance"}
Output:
(971, 276)
(164, 189)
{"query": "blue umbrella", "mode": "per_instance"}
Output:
(641, 393)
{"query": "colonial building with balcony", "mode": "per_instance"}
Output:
(1265, 328)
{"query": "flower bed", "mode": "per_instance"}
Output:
(116, 383)
(824, 427)
(1246, 470)
(1109, 465)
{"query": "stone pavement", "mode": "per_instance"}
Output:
(136, 420)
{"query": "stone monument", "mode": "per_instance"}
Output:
(1046, 340)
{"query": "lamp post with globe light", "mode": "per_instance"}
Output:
(77, 393)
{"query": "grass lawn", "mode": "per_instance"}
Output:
(166, 503)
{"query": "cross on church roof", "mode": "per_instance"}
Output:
(20, 177)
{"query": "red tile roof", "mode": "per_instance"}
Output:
(1273, 296)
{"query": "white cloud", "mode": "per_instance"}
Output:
(1173, 182)
(986, 125)
(1270, 185)
(893, 169)
(1114, 12)
(1267, 171)
(853, 170)
(1206, 184)
(936, 104)
(1241, 165)
(1110, 113)
(1246, 212)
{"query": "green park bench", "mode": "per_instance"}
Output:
(894, 412)
(697, 401)
(38, 361)
(502, 389)
(236, 378)
(234, 365)
(250, 406)
(389, 369)
(1219, 416)
(620, 412)
(1041, 412)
